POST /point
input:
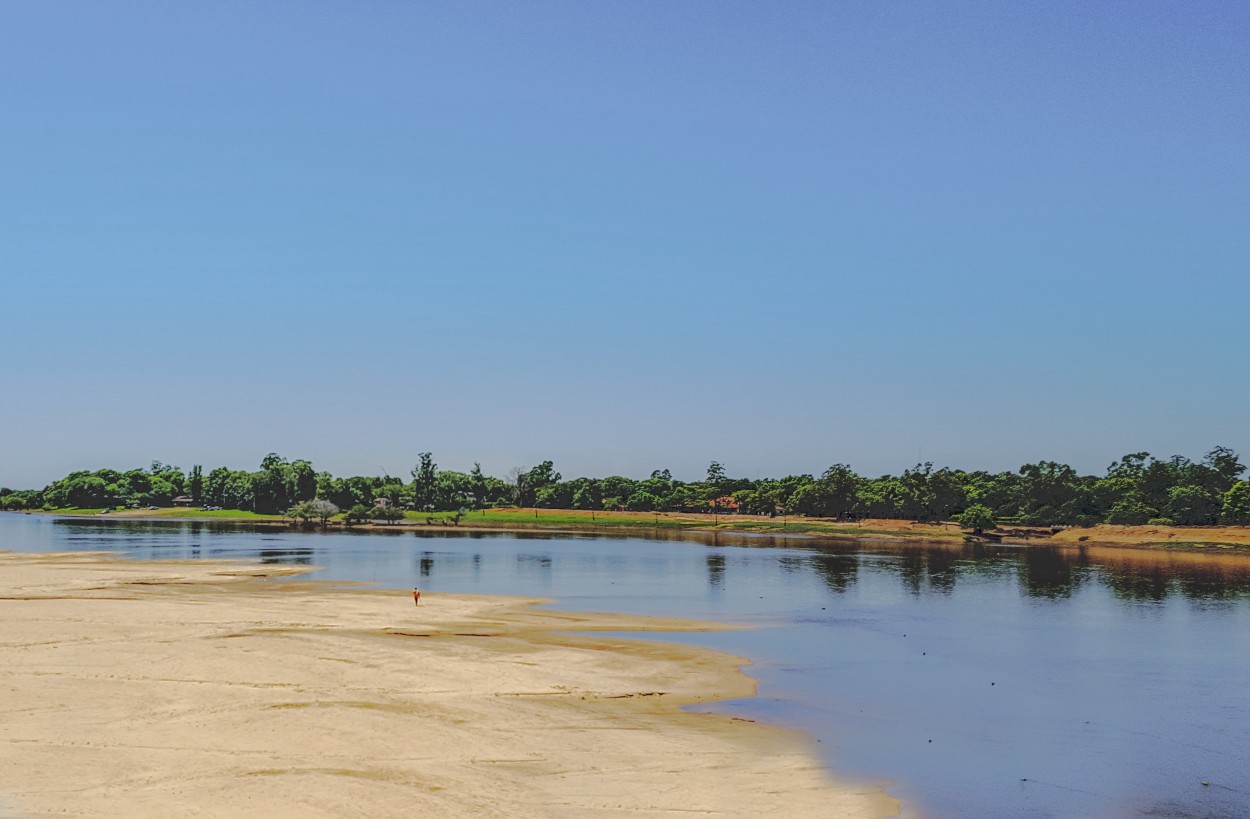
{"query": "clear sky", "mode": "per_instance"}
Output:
(622, 235)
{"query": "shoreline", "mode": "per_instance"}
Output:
(681, 526)
(151, 688)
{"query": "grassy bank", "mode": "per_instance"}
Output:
(1228, 538)
(188, 513)
(512, 518)
(572, 520)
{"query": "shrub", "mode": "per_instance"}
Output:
(357, 514)
(386, 514)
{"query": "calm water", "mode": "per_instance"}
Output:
(969, 681)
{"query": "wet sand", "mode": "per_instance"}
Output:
(201, 688)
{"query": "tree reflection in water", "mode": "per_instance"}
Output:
(1043, 572)
(839, 571)
(716, 570)
(299, 557)
(1049, 572)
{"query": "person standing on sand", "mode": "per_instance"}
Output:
(416, 596)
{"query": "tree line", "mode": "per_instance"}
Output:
(1137, 489)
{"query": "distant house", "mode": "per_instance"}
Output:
(724, 504)
(183, 500)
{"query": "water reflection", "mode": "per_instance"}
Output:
(920, 567)
(1049, 572)
(839, 571)
(298, 557)
(716, 570)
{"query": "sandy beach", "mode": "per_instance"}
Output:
(210, 689)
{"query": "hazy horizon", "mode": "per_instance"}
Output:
(622, 237)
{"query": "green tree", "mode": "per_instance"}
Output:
(615, 490)
(557, 495)
(163, 491)
(298, 512)
(526, 483)
(947, 493)
(195, 484)
(240, 491)
(1236, 509)
(386, 514)
(425, 483)
(479, 485)
(542, 475)
(357, 514)
(1222, 467)
(834, 494)
(978, 518)
(1049, 493)
(270, 485)
(586, 493)
(1130, 512)
(1193, 505)
(299, 481)
(453, 490)
(716, 480)
(215, 487)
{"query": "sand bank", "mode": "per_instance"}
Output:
(1105, 534)
(207, 689)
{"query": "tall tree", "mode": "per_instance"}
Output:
(300, 481)
(1236, 511)
(478, 482)
(425, 482)
(195, 484)
(1224, 467)
(715, 475)
(270, 485)
(530, 482)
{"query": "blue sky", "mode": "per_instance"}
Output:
(622, 236)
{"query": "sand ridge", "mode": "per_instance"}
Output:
(200, 688)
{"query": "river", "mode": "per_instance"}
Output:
(967, 680)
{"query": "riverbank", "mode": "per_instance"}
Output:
(700, 526)
(568, 521)
(174, 688)
(1226, 538)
